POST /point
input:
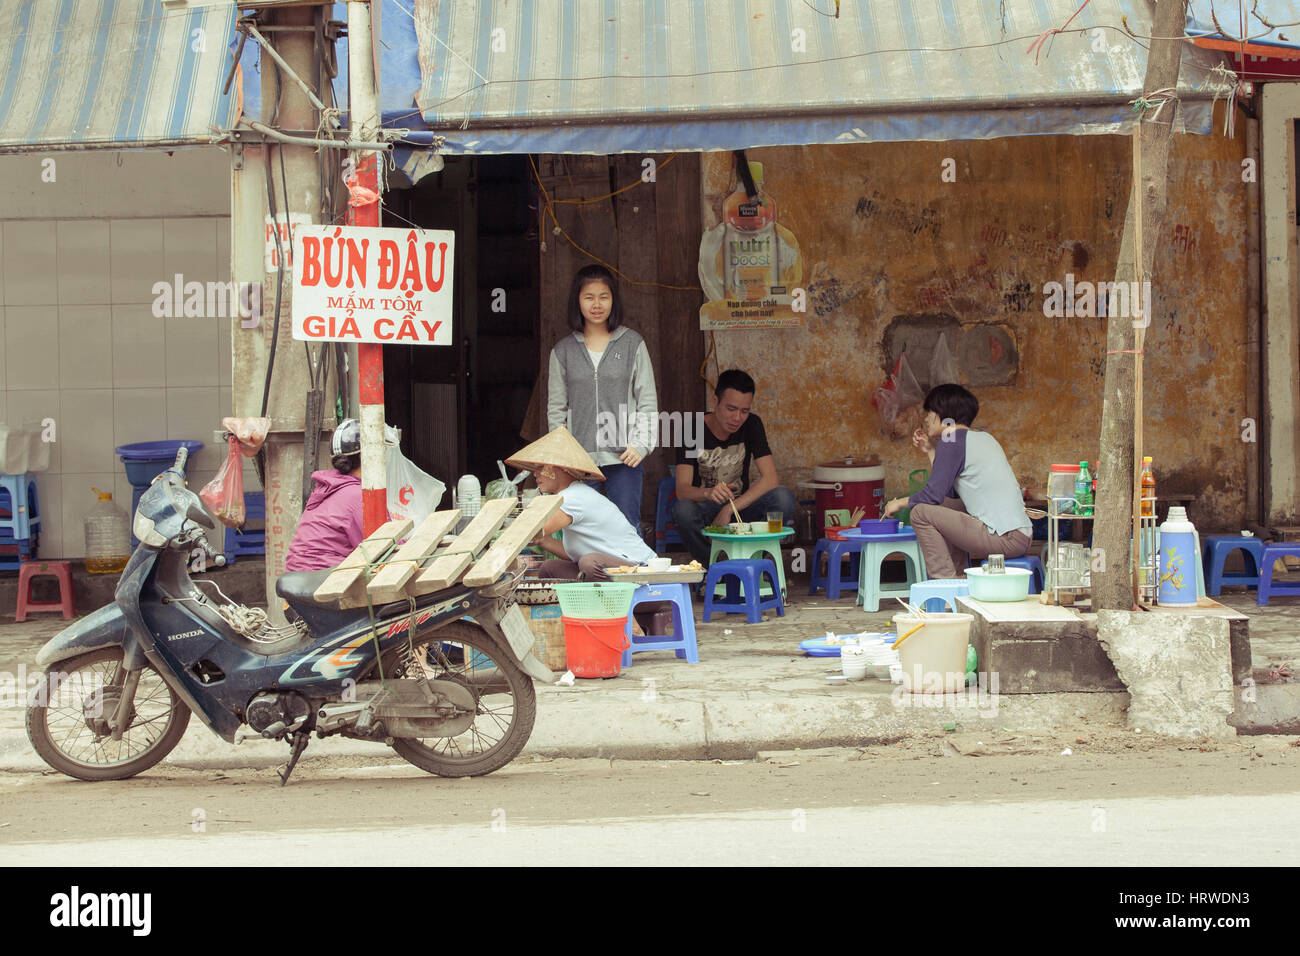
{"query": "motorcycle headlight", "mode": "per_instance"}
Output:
(144, 532)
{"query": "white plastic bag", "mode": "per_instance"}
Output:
(411, 493)
(943, 365)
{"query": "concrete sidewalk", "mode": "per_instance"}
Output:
(753, 690)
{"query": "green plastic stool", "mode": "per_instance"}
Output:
(740, 547)
(875, 549)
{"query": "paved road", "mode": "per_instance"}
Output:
(1161, 808)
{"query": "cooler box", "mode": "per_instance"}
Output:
(847, 484)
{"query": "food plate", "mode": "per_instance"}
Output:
(820, 647)
(641, 569)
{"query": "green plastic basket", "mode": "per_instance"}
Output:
(595, 601)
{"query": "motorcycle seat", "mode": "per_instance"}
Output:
(299, 588)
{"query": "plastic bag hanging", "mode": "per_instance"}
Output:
(224, 494)
(943, 364)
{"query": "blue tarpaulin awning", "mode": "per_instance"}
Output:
(112, 73)
(615, 76)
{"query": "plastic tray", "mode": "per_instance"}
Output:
(817, 646)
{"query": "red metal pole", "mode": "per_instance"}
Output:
(370, 358)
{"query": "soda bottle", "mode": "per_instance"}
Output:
(1148, 488)
(1083, 489)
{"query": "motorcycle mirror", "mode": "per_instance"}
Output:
(196, 514)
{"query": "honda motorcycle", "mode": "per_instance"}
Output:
(444, 679)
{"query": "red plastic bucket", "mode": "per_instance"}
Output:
(593, 647)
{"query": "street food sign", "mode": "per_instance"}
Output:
(362, 284)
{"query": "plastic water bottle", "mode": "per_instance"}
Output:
(108, 536)
(1083, 489)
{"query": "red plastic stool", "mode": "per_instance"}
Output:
(62, 571)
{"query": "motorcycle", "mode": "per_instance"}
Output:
(444, 679)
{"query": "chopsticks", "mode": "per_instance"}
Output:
(732, 500)
(857, 515)
(915, 612)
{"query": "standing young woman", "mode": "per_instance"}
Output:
(602, 388)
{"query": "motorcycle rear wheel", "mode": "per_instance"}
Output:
(506, 703)
(67, 722)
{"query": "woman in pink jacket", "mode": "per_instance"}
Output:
(330, 527)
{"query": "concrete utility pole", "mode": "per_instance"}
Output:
(297, 190)
(364, 110)
(1112, 589)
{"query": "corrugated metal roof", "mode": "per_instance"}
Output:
(112, 73)
(610, 76)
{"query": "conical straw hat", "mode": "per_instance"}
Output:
(558, 449)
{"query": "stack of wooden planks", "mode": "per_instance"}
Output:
(431, 558)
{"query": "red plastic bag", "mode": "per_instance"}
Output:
(895, 399)
(251, 432)
(224, 494)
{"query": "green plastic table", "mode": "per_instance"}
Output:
(740, 547)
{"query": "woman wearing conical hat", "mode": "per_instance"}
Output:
(595, 534)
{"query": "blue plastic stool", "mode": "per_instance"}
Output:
(1267, 589)
(665, 530)
(20, 517)
(1034, 566)
(742, 579)
(834, 580)
(946, 590)
(1216, 551)
(241, 542)
(683, 637)
(18, 514)
(877, 547)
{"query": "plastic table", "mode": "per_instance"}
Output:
(739, 547)
(875, 548)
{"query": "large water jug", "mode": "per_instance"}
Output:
(1179, 567)
(108, 536)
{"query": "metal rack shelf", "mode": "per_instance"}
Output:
(1075, 580)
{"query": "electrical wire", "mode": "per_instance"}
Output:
(546, 198)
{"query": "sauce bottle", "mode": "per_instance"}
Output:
(751, 257)
(1148, 488)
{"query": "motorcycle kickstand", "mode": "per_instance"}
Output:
(300, 739)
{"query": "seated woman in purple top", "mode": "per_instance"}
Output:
(330, 526)
(972, 504)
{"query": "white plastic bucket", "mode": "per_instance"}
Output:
(934, 658)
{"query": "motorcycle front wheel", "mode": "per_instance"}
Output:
(68, 718)
(505, 702)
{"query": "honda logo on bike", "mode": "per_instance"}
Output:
(194, 633)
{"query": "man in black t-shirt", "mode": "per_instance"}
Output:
(732, 440)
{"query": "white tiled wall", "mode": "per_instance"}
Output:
(79, 344)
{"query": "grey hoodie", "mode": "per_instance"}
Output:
(608, 408)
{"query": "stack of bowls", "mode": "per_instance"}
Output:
(854, 662)
(879, 656)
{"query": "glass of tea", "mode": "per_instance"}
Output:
(775, 521)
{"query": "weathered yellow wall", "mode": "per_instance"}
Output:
(883, 236)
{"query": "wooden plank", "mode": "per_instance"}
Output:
(516, 537)
(350, 572)
(477, 533)
(445, 571)
(389, 583)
